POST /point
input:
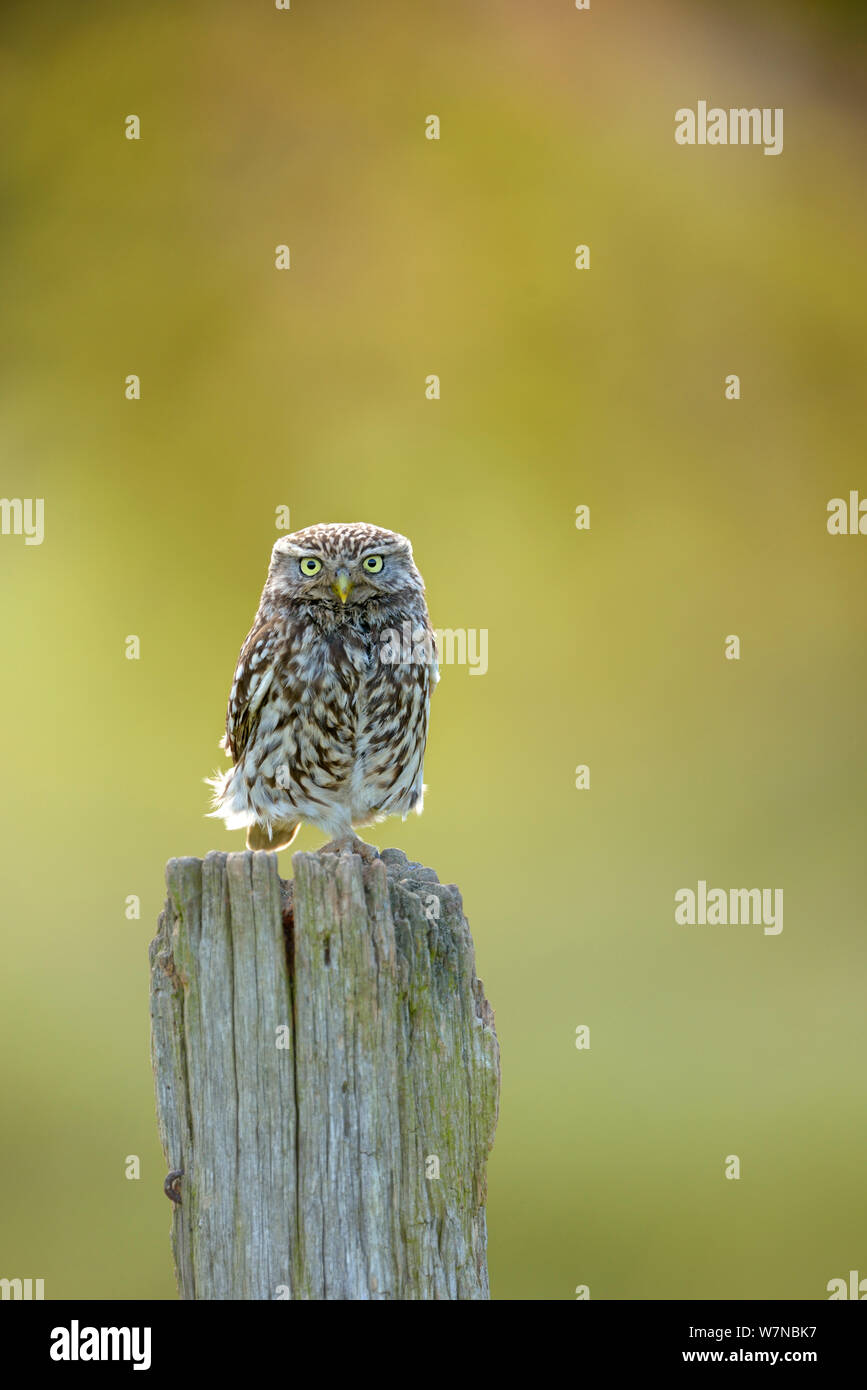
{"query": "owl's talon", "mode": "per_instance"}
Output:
(350, 844)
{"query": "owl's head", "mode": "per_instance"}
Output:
(344, 566)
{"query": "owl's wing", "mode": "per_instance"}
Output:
(253, 677)
(434, 666)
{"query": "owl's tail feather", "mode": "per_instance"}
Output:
(280, 835)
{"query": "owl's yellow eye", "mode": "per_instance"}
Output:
(310, 565)
(373, 564)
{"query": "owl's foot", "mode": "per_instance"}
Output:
(282, 834)
(350, 844)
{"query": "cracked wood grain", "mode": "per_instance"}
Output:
(348, 1162)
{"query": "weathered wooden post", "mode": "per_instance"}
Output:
(327, 1079)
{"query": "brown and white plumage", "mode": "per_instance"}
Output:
(327, 720)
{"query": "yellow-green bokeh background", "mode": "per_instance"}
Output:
(306, 388)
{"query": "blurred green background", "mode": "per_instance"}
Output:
(306, 388)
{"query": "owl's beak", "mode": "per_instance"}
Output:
(342, 585)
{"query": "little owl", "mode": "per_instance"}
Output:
(328, 713)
